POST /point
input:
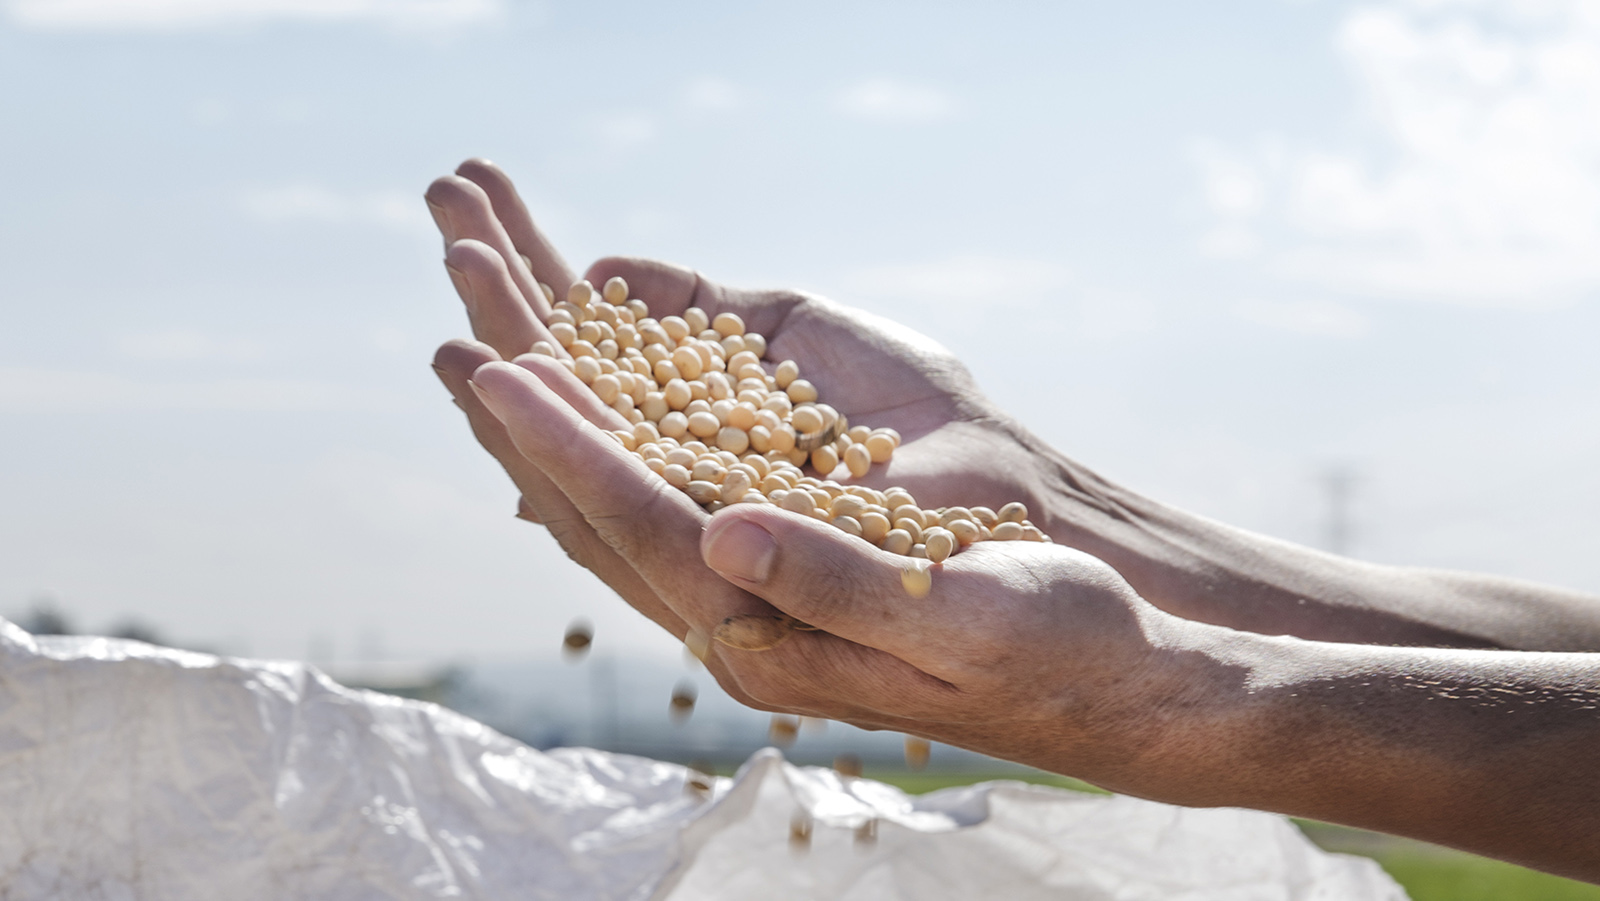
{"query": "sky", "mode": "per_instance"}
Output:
(1214, 251)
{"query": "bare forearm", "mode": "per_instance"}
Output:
(1210, 572)
(1488, 751)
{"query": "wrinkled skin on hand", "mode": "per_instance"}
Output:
(965, 665)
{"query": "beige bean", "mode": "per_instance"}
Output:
(654, 406)
(607, 387)
(916, 580)
(656, 464)
(646, 433)
(760, 439)
(799, 501)
(676, 475)
(543, 349)
(874, 526)
(755, 343)
(895, 541)
(848, 505)
(1008, 531)
(708, 470)
(674, 424)
(586, 368)
(653, 335)
(732, 439)
(731, 345)
(806, 420)
(917, 753)
(1015, 511)
(703, 492)
(638, 308)
(564, 332)
(758, 464)
(676, 393)
(880, 448)
(728, 324)
(688, 363)
(825, 459)
(848, 524)
(616, 290)
(675, 328)
(910, 526)
(580, 293)
(772, 483)
(949, 514)
(940, 544)
(548, 292)
(858, 460)
(696, 319)
(801, 391)
(783, 439)
(704, 424)
(965, 530)
(665, 371)
(1031, 532)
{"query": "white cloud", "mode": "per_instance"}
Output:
(57, 390)
(625, 131)
(312, 203)
(160, 15)
(185, 345)
(1479, 181)
(885, 100)
(1306, 317)
(964, 281)
(714, 95)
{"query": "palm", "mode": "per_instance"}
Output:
(958, 449)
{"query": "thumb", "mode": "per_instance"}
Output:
(834, 581)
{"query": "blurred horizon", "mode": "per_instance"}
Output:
(1230, 256)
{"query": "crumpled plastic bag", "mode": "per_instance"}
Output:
(131, 771)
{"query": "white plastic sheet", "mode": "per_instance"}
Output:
(129, 771)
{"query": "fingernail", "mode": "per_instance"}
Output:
(742, 550)
(525, 512)
(441, 220)
(462, 284)
(485, 398)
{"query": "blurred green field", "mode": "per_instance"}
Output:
(1428, 872)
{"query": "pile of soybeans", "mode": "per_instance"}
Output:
(717, 422)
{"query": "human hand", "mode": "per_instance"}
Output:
(1028, 650)
(957, 448)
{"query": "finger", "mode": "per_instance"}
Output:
(839, 583)
(498, 314)
(455, 362)
(820, 674)
(571, 389)
(512, 213)
(464, 212)
(650, 524)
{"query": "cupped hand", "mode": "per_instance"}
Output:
(957, 447)
(1029, 651)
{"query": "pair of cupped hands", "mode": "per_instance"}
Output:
(1033, 652)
